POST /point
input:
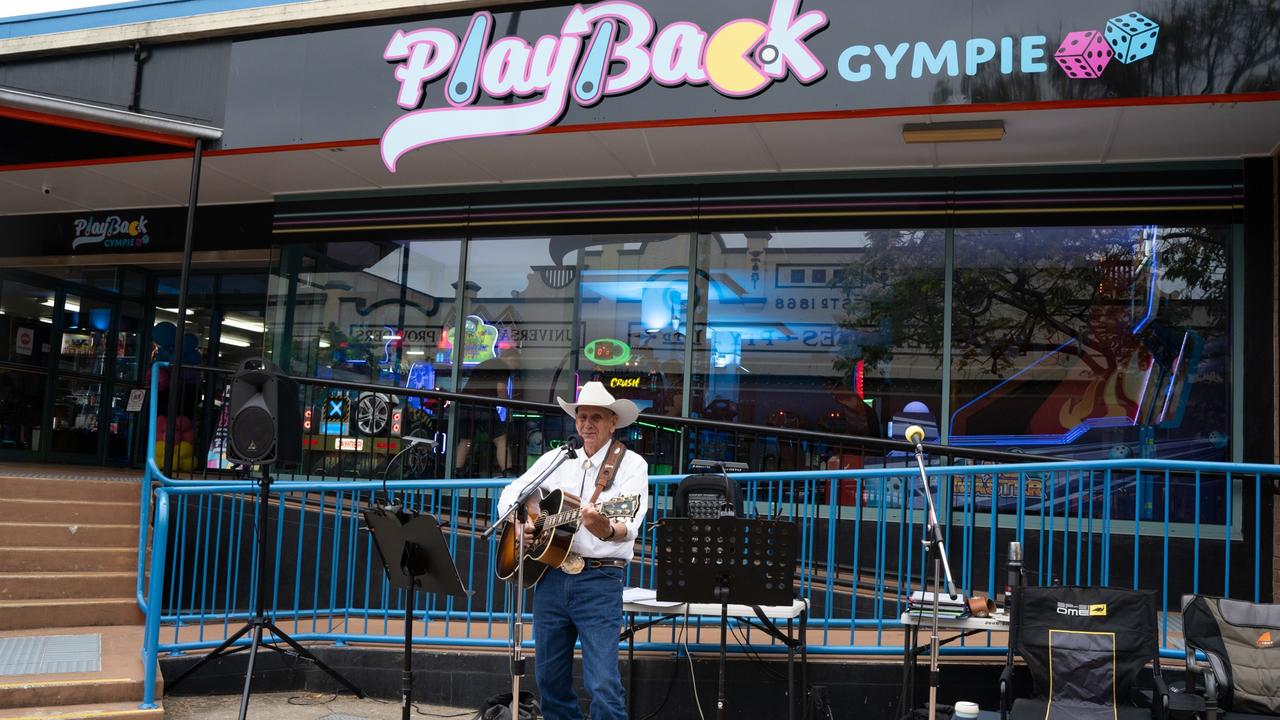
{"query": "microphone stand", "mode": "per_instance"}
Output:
(933, 546)
(519, 513)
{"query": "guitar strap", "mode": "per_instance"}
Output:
(613, 458)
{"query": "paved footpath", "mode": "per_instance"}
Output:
(300, 706)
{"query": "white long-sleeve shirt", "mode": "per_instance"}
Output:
(578, 477)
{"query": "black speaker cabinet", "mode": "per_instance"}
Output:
(266, 423)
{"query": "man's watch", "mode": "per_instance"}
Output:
(613, 530)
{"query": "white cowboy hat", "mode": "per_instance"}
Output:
(593, 394)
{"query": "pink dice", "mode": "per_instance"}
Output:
(1084, 54)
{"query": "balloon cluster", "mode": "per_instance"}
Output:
(184, 432)
(163, 335)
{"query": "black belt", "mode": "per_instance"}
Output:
(593, 563)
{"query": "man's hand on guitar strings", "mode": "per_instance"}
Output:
(595, 523)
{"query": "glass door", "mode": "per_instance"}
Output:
(125, 437)
(80, 406)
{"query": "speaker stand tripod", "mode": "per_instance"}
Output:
(259, 622)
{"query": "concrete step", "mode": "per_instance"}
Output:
(68, 511)
(68, 612)
(99, 711)
(63, 559)
(19, 534)
(58, 489)
(116, 687)
(52, 585)
(36, 692)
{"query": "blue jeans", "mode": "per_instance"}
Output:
(569, 608)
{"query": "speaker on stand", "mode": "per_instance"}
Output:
(265, 429)
(266, 423)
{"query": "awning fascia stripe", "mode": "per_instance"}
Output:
(77, 115)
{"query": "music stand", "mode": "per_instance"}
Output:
(726, 560)
(415, 557)
(259, 621)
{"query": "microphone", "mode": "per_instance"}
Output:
(914, 435)
(571, 445)
(1014, 569)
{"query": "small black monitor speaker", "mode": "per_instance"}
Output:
(266, 423)
(707, 497)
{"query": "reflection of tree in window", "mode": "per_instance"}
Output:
(1091, 309)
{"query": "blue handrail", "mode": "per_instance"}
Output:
(858, 561)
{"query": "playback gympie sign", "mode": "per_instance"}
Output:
(508, 86)
(112, 232)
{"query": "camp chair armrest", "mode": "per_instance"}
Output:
(1159, 696)
(1208, 678)
(1192, 668)
(1210, 692)
(1006, 691)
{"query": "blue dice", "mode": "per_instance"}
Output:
(1132, 36)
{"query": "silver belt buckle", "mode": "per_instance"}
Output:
(573, 564)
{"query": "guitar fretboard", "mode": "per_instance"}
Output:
(546, 522)
(560, 518)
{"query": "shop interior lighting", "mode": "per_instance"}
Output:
(234, 341)
(943, 132)
(69, 306)
(249, 324)
(415, 352)
(174, 311)
(324, 343)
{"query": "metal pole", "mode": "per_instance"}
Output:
(936, 549)
(406, 677)
(517, 631)
(175, 366)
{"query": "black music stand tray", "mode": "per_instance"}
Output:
(415, 556)
(726, 560)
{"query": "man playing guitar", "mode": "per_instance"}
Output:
(582, 599)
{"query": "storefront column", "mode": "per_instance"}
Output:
(1275, 363)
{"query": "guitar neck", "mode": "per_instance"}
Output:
(561, 518)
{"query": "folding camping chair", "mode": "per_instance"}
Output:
(1085, 647)
(1241, 641)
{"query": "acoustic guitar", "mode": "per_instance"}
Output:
(553, 530)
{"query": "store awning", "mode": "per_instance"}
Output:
(1050, 137)
(42, 129)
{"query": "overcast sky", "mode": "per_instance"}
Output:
(12, 8)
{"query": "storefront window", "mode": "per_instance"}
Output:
(558, 312)
(26, 314)
(75, 417)
(195, 342)
(122, 426)
(1095, 343)
(528, 290)
(362, 311)
(129, 349)
(369, 312)
(86, 327)
(820, 330)
(21, 407)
